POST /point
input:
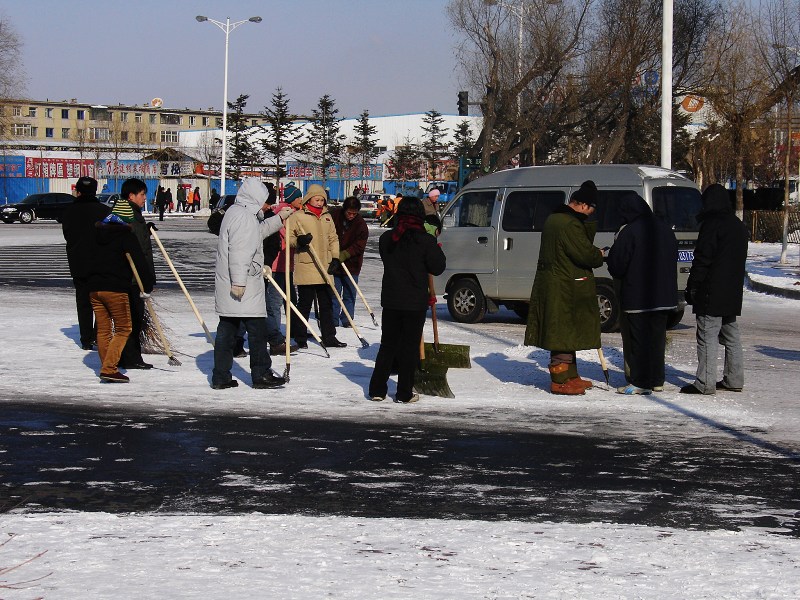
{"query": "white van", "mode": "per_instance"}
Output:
(492, 230)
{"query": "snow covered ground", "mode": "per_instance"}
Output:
(101, 555)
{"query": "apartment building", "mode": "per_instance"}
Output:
(73, 126)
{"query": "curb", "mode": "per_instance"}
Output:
(764, 288)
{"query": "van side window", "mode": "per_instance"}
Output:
(528, 210)
(678, 206)
(473, 209)
(607, 212)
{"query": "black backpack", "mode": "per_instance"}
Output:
(215, 220)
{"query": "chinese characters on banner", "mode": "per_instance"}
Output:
(12, 166)
(68, 168)
(58, 168)
(128, 168)
(353, 172)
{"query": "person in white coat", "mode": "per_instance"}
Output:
(239, 285)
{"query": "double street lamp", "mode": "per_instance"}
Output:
(227, 27)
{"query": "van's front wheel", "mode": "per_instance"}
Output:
(466, 301)
(608, 304)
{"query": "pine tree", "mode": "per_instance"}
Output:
(463, 140)
(365, 145)
(282, 135)
(433, 146)
(405, 162)
(241, 150)
(325, 145)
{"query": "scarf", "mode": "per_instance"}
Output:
(314, 211)
(406, 223)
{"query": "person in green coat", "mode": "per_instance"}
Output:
(563, 315)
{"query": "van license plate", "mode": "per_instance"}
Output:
(685, 255)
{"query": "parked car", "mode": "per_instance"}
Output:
(109, 199)
(37, 206)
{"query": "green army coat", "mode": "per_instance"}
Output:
(563, 313)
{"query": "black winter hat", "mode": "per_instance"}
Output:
(86, 185)
(586, 194)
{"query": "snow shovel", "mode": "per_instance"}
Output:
(431, 378)
(172, 360)
(446, 355)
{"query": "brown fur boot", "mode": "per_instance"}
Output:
(564, 381)
(572, 372)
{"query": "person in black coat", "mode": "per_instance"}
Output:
(409, 255)
(77, 225)
(643, 260)
(714, 290)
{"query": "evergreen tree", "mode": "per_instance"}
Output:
(433, 146)
(463, 140)
(241, 150)
(282, 135)
(325, 144)
(365, 145)
(406, 162)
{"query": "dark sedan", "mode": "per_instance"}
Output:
(37, 206)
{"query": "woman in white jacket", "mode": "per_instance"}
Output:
(239, 285)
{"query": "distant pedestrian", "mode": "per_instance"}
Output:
(433, 224)
(352, 231)
(643, 259)
(77, 225)
(409, 255)
(196, 199)
(170, 202)
(714, 290)
(181, 198)
(161, 202)
(214, 199)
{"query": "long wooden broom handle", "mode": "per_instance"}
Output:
(432, 292)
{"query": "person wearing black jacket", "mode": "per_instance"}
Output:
(714, 290)
(643, 260)
(409, 255)
(109, 280)
(77, 225)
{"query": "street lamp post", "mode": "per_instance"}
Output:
(666, 86)
(226, 27)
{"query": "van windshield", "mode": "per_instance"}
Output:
(678, 206)
(472, 209)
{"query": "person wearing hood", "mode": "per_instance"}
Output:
(714, 290)
(77, 225)
(109, 281)
(643, 261)
(563, 315)
(313, 227)
(239, 286)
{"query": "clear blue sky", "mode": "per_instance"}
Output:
(388, 56)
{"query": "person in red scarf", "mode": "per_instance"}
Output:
(409, 255)
(312, 226)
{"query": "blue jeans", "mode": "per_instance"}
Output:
(347, 291)
(274, 309)
(260, 362)
(711, 332)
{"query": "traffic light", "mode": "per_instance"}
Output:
(463, 104)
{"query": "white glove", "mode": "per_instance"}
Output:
(144, 295)
(266, 272)
(237, 291)
(285, 212)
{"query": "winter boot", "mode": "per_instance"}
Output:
(565, 383)
(572, 371)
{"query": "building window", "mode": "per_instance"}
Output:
(31, 111)
(48, 113)
(123, 117)
(65, 113)
(254, 122)
(152, 137)
(34, 131)
(49, 132)
(100, 114)
(205, 121)
(137, 117)
(219, 122)
(81, 115)
(169, 137)
(16, 111)
(192, 121)
(123, 136)
(139, 137)
(171, 119)
(21, 129)
(65, 133)
(99, 133)
(153, 119)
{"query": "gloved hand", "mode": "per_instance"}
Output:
(266, 272)
(285, 212)
(144, 295)
(335, 267)
(432, 301)
(303, 241)
(152, 226)
(237, 291)
(344, 255)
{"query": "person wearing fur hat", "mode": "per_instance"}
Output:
(77, 225)
(129, 208)
(312, 227)
(563, 315)
(239, 296)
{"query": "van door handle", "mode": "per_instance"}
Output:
(483, 240)
(508, 243)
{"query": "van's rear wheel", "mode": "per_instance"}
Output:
(466, 301)
(609, 307)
